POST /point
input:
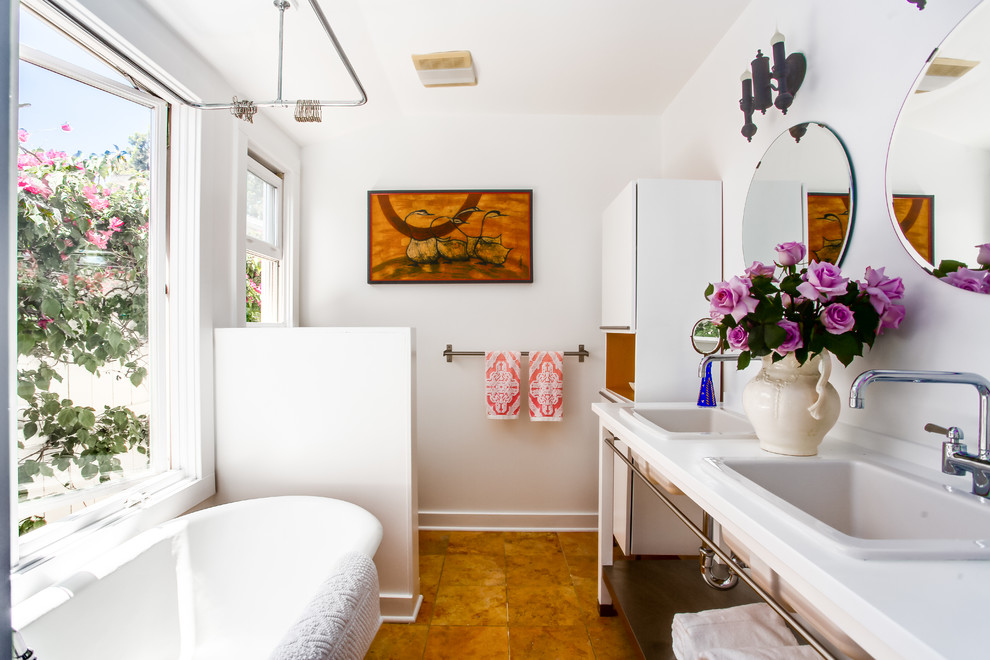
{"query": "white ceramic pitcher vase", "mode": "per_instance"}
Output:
(792, 406)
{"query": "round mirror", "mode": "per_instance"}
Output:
(939, 158)
(802, 190)
(705, 337)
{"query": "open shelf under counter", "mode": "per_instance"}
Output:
(647, 593)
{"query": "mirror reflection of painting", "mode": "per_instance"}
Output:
(801, 191)
(450, 236)
(941, 149)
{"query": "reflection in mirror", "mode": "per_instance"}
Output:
(801, 191)
(939, 159)
(705, 337)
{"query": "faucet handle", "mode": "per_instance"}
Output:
(953, 433)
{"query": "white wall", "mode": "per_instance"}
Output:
(575, 167)
(863, 58)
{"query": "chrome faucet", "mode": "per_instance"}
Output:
(955, 457)
(706, 397)
(716, 357)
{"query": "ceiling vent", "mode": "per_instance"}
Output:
(450, 69)
(944, 71)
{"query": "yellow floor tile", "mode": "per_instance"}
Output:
(430, 567)
(536, 570)
(544, 606)
(611, 641)
(476, 543)
(398, 641)
(583, 567)
(531, 543)
(579, 544)
(473, 570)
(550, 643)
(470, 606)
(467, 643)
(432, 542)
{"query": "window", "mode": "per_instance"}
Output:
(107, 373)
(264, 241)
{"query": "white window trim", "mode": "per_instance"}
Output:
(253, 157)
(178, 490)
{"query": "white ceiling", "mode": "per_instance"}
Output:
(583, 57)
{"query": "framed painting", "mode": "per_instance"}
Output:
(457, 236)
(916, 216)
(828, 226)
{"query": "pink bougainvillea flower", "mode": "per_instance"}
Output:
(96, 202)
(97, 239)
(66, 127)
(34, 187)
(823, 281)
(793, 340)
(44, 321)
(790, 253)
(116, 224)
(22, 135)
(27, 160)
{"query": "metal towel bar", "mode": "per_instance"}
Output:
(450, 353)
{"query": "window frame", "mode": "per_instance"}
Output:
(266, 250)
(175, 269)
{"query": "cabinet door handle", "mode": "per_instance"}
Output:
(615, 327)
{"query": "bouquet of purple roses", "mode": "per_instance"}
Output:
(806, 311)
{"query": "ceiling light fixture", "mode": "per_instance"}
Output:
(453, 68)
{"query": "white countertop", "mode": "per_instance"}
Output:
(908, 609)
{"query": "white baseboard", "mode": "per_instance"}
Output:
(508, 522)
(399, 609)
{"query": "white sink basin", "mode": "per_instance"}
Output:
(684, 421)
(869, 510)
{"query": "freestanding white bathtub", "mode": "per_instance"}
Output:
(223, 583)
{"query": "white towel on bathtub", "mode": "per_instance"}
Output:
(743, 626)
(341, 620)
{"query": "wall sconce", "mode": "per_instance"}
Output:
(757, 83)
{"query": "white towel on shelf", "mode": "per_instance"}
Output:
(762, 653)
(743, 626)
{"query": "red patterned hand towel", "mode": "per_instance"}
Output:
(546, 386)
(502, 378)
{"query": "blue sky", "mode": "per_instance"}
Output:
(99, 120)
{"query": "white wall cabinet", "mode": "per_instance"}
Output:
(661, 246)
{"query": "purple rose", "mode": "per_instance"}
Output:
(882, 290)
(968, 280)
(837, 318)
(759, 269)
(891, 318)
(790, 253)
(793, 340)
(732, 298)
(983, 258)
(823, 280)
(738, 338)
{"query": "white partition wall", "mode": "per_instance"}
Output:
(325, 411)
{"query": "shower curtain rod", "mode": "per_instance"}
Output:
(86, 27)
(281, 5)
